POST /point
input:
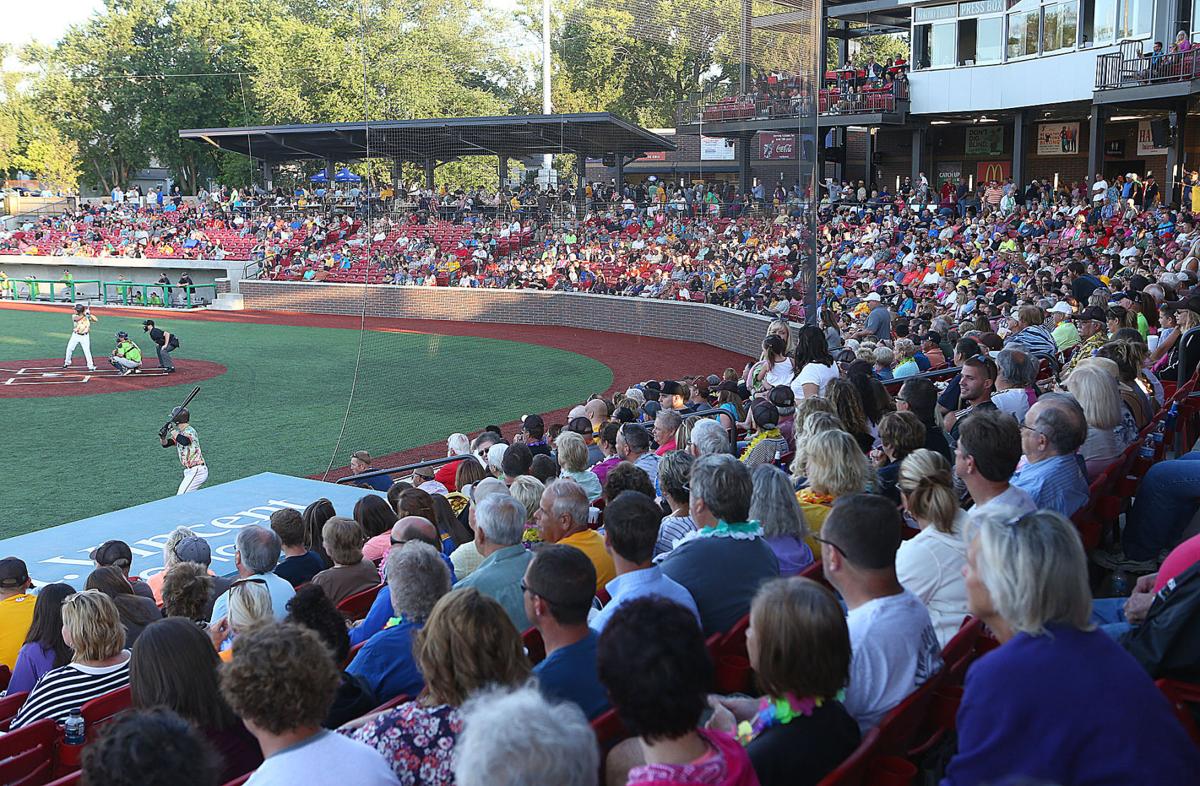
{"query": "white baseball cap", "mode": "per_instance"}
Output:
(1062, 307)
(873, 297)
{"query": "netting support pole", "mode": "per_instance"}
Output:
(869, 159)
(918, 155)
(430, 166)
(397, 172)
(811, 262)
(743, 161)
(1020, 142)
(502, 169)
(620, 175)
(747, 16)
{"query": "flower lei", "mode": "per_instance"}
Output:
(815, 497)
(779, 712)
(769, 433)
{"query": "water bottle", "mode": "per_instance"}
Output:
(73, 731)
(1120, 584)
(1147, 449)
(1172, 413)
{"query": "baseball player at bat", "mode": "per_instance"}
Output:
(180, 433)
(81, 335)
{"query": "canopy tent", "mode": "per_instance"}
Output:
(320, 177)
(344, 175)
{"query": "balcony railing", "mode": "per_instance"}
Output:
(1130, 67)
(831, 101)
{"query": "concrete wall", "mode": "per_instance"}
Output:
(720, 327)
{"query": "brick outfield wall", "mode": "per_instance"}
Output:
(723, 328)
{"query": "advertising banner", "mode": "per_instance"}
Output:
(1057, 139)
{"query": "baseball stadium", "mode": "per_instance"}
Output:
(599, 392)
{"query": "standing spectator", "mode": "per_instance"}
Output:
(467, 645)
(559, 585)
(281, 683)
(552, 744)
(1054, 429)
(417, 578)
(174, 665)
(16, 608)
(1027, 579)
(563, 518)
(799, 648)
(351, 572)
(725, 561)
(499, 530)
(255, 554)
(299, 563)
(631, 528)
(930, 564)
(653, 663)
(894, 645)
(775, 507)
(44, 647)
(92, 628)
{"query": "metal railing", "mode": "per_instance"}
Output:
(374, 473)
(830, 101)
(33, 289)
(155, 294)
(1130, 67)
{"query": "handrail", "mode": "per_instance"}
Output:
(402, 468)
(32, 285)
(1182, 377)
(123, 288)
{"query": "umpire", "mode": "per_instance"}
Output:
(165, 343)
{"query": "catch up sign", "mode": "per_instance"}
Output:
(216, 514)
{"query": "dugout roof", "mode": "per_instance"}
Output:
(590, 134)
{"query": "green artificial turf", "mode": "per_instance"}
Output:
(279, 407)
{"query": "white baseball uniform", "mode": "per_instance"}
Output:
(81, 336)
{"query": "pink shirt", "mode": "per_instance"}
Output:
(1182, 557)
(377, 547)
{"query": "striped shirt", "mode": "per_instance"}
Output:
(68, 688)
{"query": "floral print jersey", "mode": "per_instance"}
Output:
(418, 742)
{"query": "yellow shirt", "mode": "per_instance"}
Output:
(591, 543)
(16, 613)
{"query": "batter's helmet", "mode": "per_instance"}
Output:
(79, 307)
(180, 415)
(122, 335)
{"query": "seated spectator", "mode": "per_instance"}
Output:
(173, 665)
(255, 554)
(376, 516)
(417, 578)
(559, 586)
(408, 529)
(895, 648)
(188, 592)
(281, 683)
(553, 743)
(351, 572)
(543, 467)
(666, 425)
(708, 438)
(836, 468)
(299, 563)
(533, 435)
(16, 608)
(930, 564)
(136, 612)
(931, 347)
(633, 445)
(653, 662)
(117, 553)
(457, 444)
(1031, 335)
(170, 559)
(312, 609)
(1016, 373)
(767, 443)
(528, 490)
(627, 477)
(784, 400)
(884, 359)
(900, 433)
(44, 648)
(315, 516)
(146, 747)
(563, 518)
(725, 561)
(987, 454)
(499, 530)
(847, 404)
(775, 508)
(1054, 429)
(631, 529)
(249, 609)
(1098, 395)
(572, 458)
(919, 396)
(466, 558)
(814, 365)
(360, 462)
(673, 471)
(799, 648)
(1027, 579)
(467, 644)
(608, 446)
(92, 628)
(906, 363)
(1119, 616)
(517, 461)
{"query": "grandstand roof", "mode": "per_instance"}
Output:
(590, 134)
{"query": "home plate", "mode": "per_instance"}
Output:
(47, 375)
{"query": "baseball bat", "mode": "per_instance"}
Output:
(186, 401)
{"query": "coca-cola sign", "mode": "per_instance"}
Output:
(777, 147)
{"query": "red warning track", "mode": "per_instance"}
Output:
(46, 377)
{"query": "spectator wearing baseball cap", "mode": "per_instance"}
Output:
(1187, 316)
(118, 554)
(1090, 323)
(16, 608)
(1064, 333)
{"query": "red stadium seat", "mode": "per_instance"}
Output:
(238, 781)
(391, 703)
(71, 779)
(1185, 700)
(27, 754)
(357, 605)
(535, 648)
(102, 709)
(9, 706)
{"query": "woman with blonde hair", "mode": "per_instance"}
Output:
(1095, 388)
(816, 423)
(527, 490)
(170, 558)
(92, 628)
(572, 459)
(906, 363)
(836, 467)
(249, 609)
(468, 644)
(930, 564)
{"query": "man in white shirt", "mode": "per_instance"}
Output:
(895, 649)
(988, 451)
(281, 682)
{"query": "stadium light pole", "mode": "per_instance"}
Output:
(817, 19)
(546, 106)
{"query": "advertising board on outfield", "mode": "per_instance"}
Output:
(987, 171)
(716, 148)
(773, 146)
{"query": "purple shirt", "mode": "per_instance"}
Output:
(32, 663)
(794, 555)
(603, 467)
